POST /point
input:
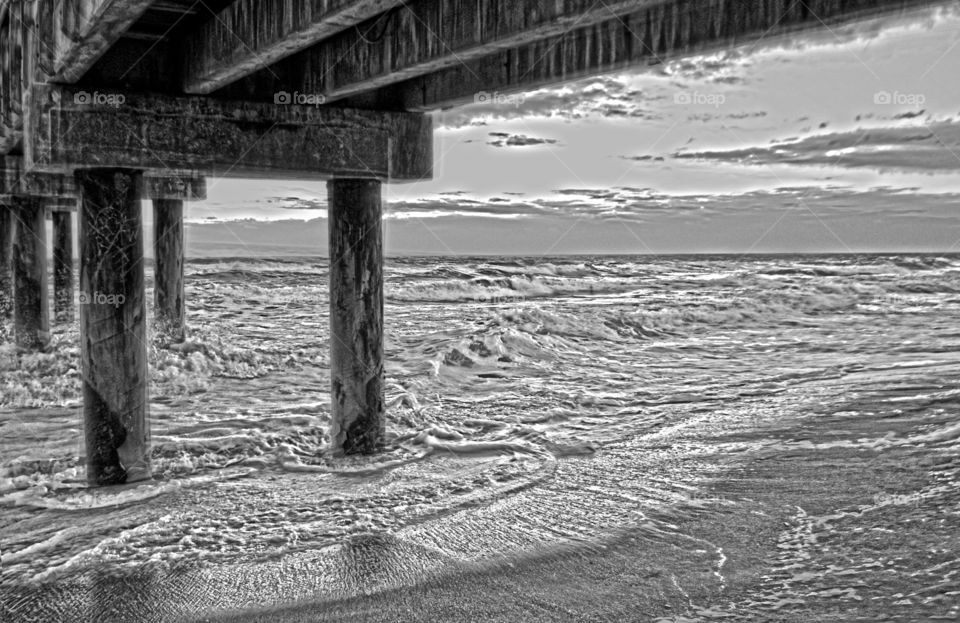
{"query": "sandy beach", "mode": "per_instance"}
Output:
(858, 525)
(842, 518)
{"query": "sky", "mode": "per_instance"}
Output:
(842, 140)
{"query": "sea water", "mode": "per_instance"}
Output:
(518, 390)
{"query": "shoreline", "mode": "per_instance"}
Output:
(813, 518)
(779, 554)
(838, 526)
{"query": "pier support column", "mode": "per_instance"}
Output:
(356, 316)
(63, 266)
(113, 325)
(169, 301)
(31, 311)
(7, 229)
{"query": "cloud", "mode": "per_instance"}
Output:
(726, 67)
(932, 147)
(645, 158)
(297, 203)
(909, 115)
(627, 220)
(504, 139)
(602, 96)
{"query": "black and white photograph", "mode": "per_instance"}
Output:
(517, 311)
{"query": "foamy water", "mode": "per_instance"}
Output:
(554, 401)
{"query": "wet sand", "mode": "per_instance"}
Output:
(843, 517)
(861, 523)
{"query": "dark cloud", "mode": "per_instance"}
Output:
(646, 158)
(296, 203)
(728, 80)
(502, 139)
(909, 115)
(708, 117)
(932, 147)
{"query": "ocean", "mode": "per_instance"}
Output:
(534, 404)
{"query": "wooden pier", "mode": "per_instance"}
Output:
(104, 103)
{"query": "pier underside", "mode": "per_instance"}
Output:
(107, 102)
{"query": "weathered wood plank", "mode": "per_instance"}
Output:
(170, 310)
(223, 138)
(358, 420)
(646, 37)
(428, 36)
(113, 327)
(7, 232)
(31, 311)
(85, 29)
(12, 72)
(252, 34)
(10, 138)
(137, 65)
(63, 308)
(16, 180)
(59, 204)
(186, 187)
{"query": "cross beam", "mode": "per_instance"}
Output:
(250, 34)
(223, 138)
(15, 179)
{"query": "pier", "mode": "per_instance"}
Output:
(107, 103)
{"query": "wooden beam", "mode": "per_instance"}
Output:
(10, 138)
(429, 36)
(252, 34)
(59, 204)
(72, 129)
(7, 232)
(170, 309)
(138, 65)
(649, 36)
(185, 187)
(31, 311)
(85, 29)
(12, 34)
(15, 179)
(358, 420)
(113, 329)
(63, 266)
